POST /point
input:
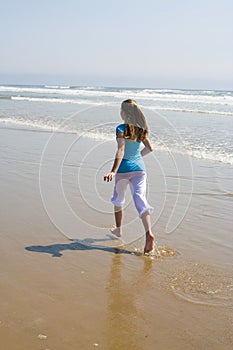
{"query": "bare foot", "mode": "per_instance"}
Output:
(149, 246)
(116, 231)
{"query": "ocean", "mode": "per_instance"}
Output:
(196, 123)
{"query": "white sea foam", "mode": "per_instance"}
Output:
(192, 151)
(57, 100)
(56, 126)
(56, 87)
(187, 110)
(182, 148)
(30, 124)
(171, 96)
(216, 144)
(98, 103)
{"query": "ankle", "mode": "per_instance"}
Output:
(149, 234)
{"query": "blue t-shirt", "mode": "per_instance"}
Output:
(132, 159)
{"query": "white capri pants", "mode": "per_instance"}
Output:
(137, 182)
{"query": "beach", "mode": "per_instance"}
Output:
(66, 285)
(116, 175)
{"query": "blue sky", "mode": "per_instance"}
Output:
(150, 43)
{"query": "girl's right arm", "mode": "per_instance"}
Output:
(118, 158)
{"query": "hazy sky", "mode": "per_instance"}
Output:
(149, 43)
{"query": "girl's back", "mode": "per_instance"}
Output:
(132, 159)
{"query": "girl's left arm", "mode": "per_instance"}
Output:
(148, 147)
(118, 158)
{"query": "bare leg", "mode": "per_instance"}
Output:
(149, 245)
(117, 230)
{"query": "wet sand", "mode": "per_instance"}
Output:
(63, 286)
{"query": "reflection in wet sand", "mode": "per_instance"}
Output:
(123, 314)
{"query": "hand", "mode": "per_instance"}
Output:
(108, 177)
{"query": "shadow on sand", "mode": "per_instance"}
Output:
(85, 244)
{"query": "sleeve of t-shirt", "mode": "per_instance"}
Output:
(120, 128)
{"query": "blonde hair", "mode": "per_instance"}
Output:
(136, 126)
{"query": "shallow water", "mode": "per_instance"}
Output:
(204, 285)
(188, 122)
(193, 282)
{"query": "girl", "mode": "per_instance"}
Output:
(129, 168)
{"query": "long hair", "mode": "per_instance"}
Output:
(136, 126)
